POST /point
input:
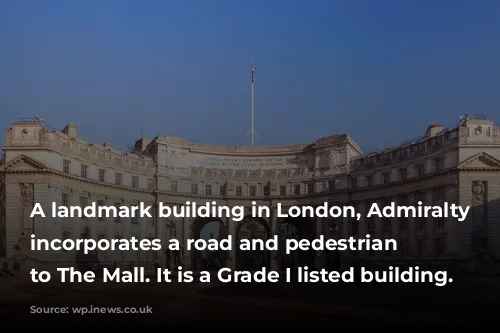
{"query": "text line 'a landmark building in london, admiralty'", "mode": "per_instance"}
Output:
(459, 164)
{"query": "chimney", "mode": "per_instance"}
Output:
(432, 130)
(71, 130)
(141, 144)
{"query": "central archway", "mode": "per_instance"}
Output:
(252, 228)
(208, 228)
(295, 228)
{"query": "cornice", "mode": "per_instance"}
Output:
(76, 178)
(407, 181)
(271, 198)
(100, 161)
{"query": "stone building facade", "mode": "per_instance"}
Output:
(459, 164)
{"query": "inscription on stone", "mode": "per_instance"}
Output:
(258, 162)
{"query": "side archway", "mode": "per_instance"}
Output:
(295, 228)
(208, 228)
(252, 228)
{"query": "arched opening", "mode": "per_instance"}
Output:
(295, 228)
(252, 228)
(208, 228)
(86, 261)
(172, 258)
(332, 230)
(288, 231)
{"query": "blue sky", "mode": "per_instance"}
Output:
(182, 68)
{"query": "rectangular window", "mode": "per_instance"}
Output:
(173, 186)
(151, 184)
(100, 203)
(296, 189)
(369, 181)
(102, 175)
(420, 170)
(267, 190)
(194, 188)
(66, 166)
(253, 191)
(282, 190)
(239, 191)
(222, 190)
(134, 219)
(135, 182)
(403, 174)
(65, 199)
(331, 185)
(438, 164)
(84, 202)
(386, 178)
(118, 178)
(208, 189)
(118, 218)
(84, 171)
(310, 188)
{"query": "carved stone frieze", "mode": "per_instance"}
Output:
(478, 193)
(27, 194)
(478, 130)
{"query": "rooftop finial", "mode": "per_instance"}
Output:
(465, 118)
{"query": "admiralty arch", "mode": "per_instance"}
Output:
(459, 164)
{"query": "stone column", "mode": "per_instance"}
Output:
(93, 220)
(429, 227)
(54, 227)
(27, 204)
(160, 234)
(362, 225)
(396, 230)
(231, 256)
(379, 230)
(479, 217)
(412, 229)
(110, 221)
(450, 225)
(142, 234)
(186, 234)
(274, 232)
(177, 234)
(319, 258)
(127, 256)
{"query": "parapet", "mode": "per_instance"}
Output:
(433, 130)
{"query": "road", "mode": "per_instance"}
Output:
(282, 306)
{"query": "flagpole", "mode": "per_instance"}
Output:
(253, 122)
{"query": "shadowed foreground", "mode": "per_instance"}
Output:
(258, 305)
